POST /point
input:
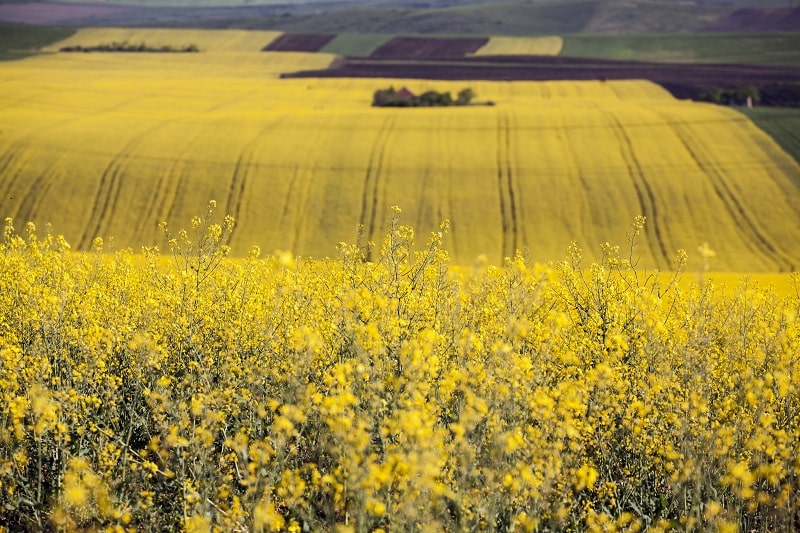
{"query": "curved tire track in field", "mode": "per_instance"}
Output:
(165, 190)
(108, 191)
(585, 213)
(371, 188)
(9, 160)
(299, 190)
(14, 153)
(245, 162)
(644, 193)
(448, 153)
(505, 187)
(746, 224)
(31, 202)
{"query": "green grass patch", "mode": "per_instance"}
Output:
(355, 44)
(19, 40)
(782, 124)
(757, 48)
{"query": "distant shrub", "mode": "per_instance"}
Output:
(405, 98)
(735, 96)
(130, 47)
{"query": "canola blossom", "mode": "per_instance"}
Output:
(191, 391)
(104, 144)
(539, 46)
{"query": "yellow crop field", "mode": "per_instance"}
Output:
(206, 40)
(198, 393)
(112, 144)
(539, 46)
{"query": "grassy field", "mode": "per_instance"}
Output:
(355, 44)
(783, 125)
(768, 48)
(17, 42)
(112, 144)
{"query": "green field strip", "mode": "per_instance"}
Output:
(756, 48)
(782, 124)
(18, 41)
(355, 44)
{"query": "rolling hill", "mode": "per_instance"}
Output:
(111, 144)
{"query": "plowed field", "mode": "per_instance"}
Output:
(299, 42)
(683, 80)
(427, 48)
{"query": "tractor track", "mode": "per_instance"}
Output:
(372, 177)
(644, 194)
(108, 191)
(505, 187)
(744, 222)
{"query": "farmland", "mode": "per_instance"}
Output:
(300, 163)
(233, 298)
(197, 392)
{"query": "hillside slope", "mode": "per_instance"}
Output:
(109, 145)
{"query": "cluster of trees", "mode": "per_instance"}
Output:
(773, 94)
(735, 96)
(404, 98)
(129, 47)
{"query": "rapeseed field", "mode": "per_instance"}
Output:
(107, 145)
(177, 389)
(540, 46)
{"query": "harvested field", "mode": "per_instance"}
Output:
(299, 42)
(427, 48)
(759, 19)
(682, 80)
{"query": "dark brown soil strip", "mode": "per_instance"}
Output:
(427, 48)
(299, 42)
(683, 80)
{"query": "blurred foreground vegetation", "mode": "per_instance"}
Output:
(344, 395)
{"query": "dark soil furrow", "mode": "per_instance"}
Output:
(299, 42)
